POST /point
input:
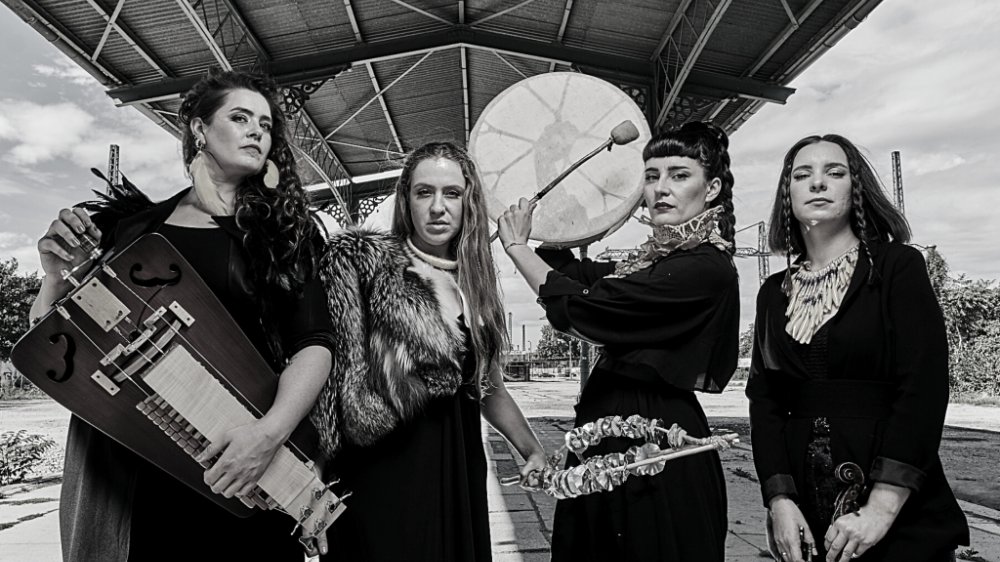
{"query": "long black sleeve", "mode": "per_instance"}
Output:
(769, 412)
(913, 432)
(585, 271)
(670, 300)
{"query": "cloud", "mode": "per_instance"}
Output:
(10, 240)
(75, 139)
(64, 69)
(931, 163)
(41, 132)
(9, 188)
(22, 248)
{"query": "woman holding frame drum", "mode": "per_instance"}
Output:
(667, 319)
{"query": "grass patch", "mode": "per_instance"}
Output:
(971, 554)
(975, 399)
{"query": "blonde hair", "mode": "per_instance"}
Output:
(477, 277)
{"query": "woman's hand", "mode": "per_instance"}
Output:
(531, 472)
(853, 534)
(514, 225)
(246, 452)
(787, 523)
(59, 247)
(320, 546)
(675, 436)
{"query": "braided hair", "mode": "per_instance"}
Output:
(281, 236)
(873, 217)
(709, 146)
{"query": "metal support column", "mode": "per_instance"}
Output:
(584, 346)
(686, 36)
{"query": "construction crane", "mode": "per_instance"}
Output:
(760, 252)
(897, 181)
(114, 173)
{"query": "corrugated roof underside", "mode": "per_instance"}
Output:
(630, 28)
(427, 104)
(290, 29)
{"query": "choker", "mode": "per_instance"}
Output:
(667, 239)
(816, 295)
(433, 261)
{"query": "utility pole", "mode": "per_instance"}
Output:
(510, 327)
(897, 181)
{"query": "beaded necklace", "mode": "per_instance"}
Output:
(816, 295)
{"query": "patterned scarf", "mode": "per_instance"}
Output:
(667, 239)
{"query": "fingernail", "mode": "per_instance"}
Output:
(79, 229)
(74, 242)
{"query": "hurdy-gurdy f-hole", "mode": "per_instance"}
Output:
(143, 351)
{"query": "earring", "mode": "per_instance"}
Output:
(271, 174)
(204, 187)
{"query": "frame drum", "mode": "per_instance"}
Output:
(540, 126)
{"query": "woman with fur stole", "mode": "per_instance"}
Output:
(420, 334)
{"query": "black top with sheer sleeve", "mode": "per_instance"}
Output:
(676, 321)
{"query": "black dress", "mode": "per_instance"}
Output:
(420, 493)
(872, 389)
(159, 498)
(112, 501)
(667, 330)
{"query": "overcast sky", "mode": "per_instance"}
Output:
(918, 76)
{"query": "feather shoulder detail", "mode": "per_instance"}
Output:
(119, 202)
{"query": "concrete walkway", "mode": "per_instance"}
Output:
(521, 521)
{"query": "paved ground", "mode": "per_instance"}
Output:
(521, 522)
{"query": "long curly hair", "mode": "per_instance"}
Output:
(709, 146)
(477, 277)
(282, 237)
(873, 217)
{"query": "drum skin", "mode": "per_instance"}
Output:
(540, 126)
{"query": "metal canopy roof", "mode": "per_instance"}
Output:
(367, 80)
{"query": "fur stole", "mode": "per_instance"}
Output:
(394, 349)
